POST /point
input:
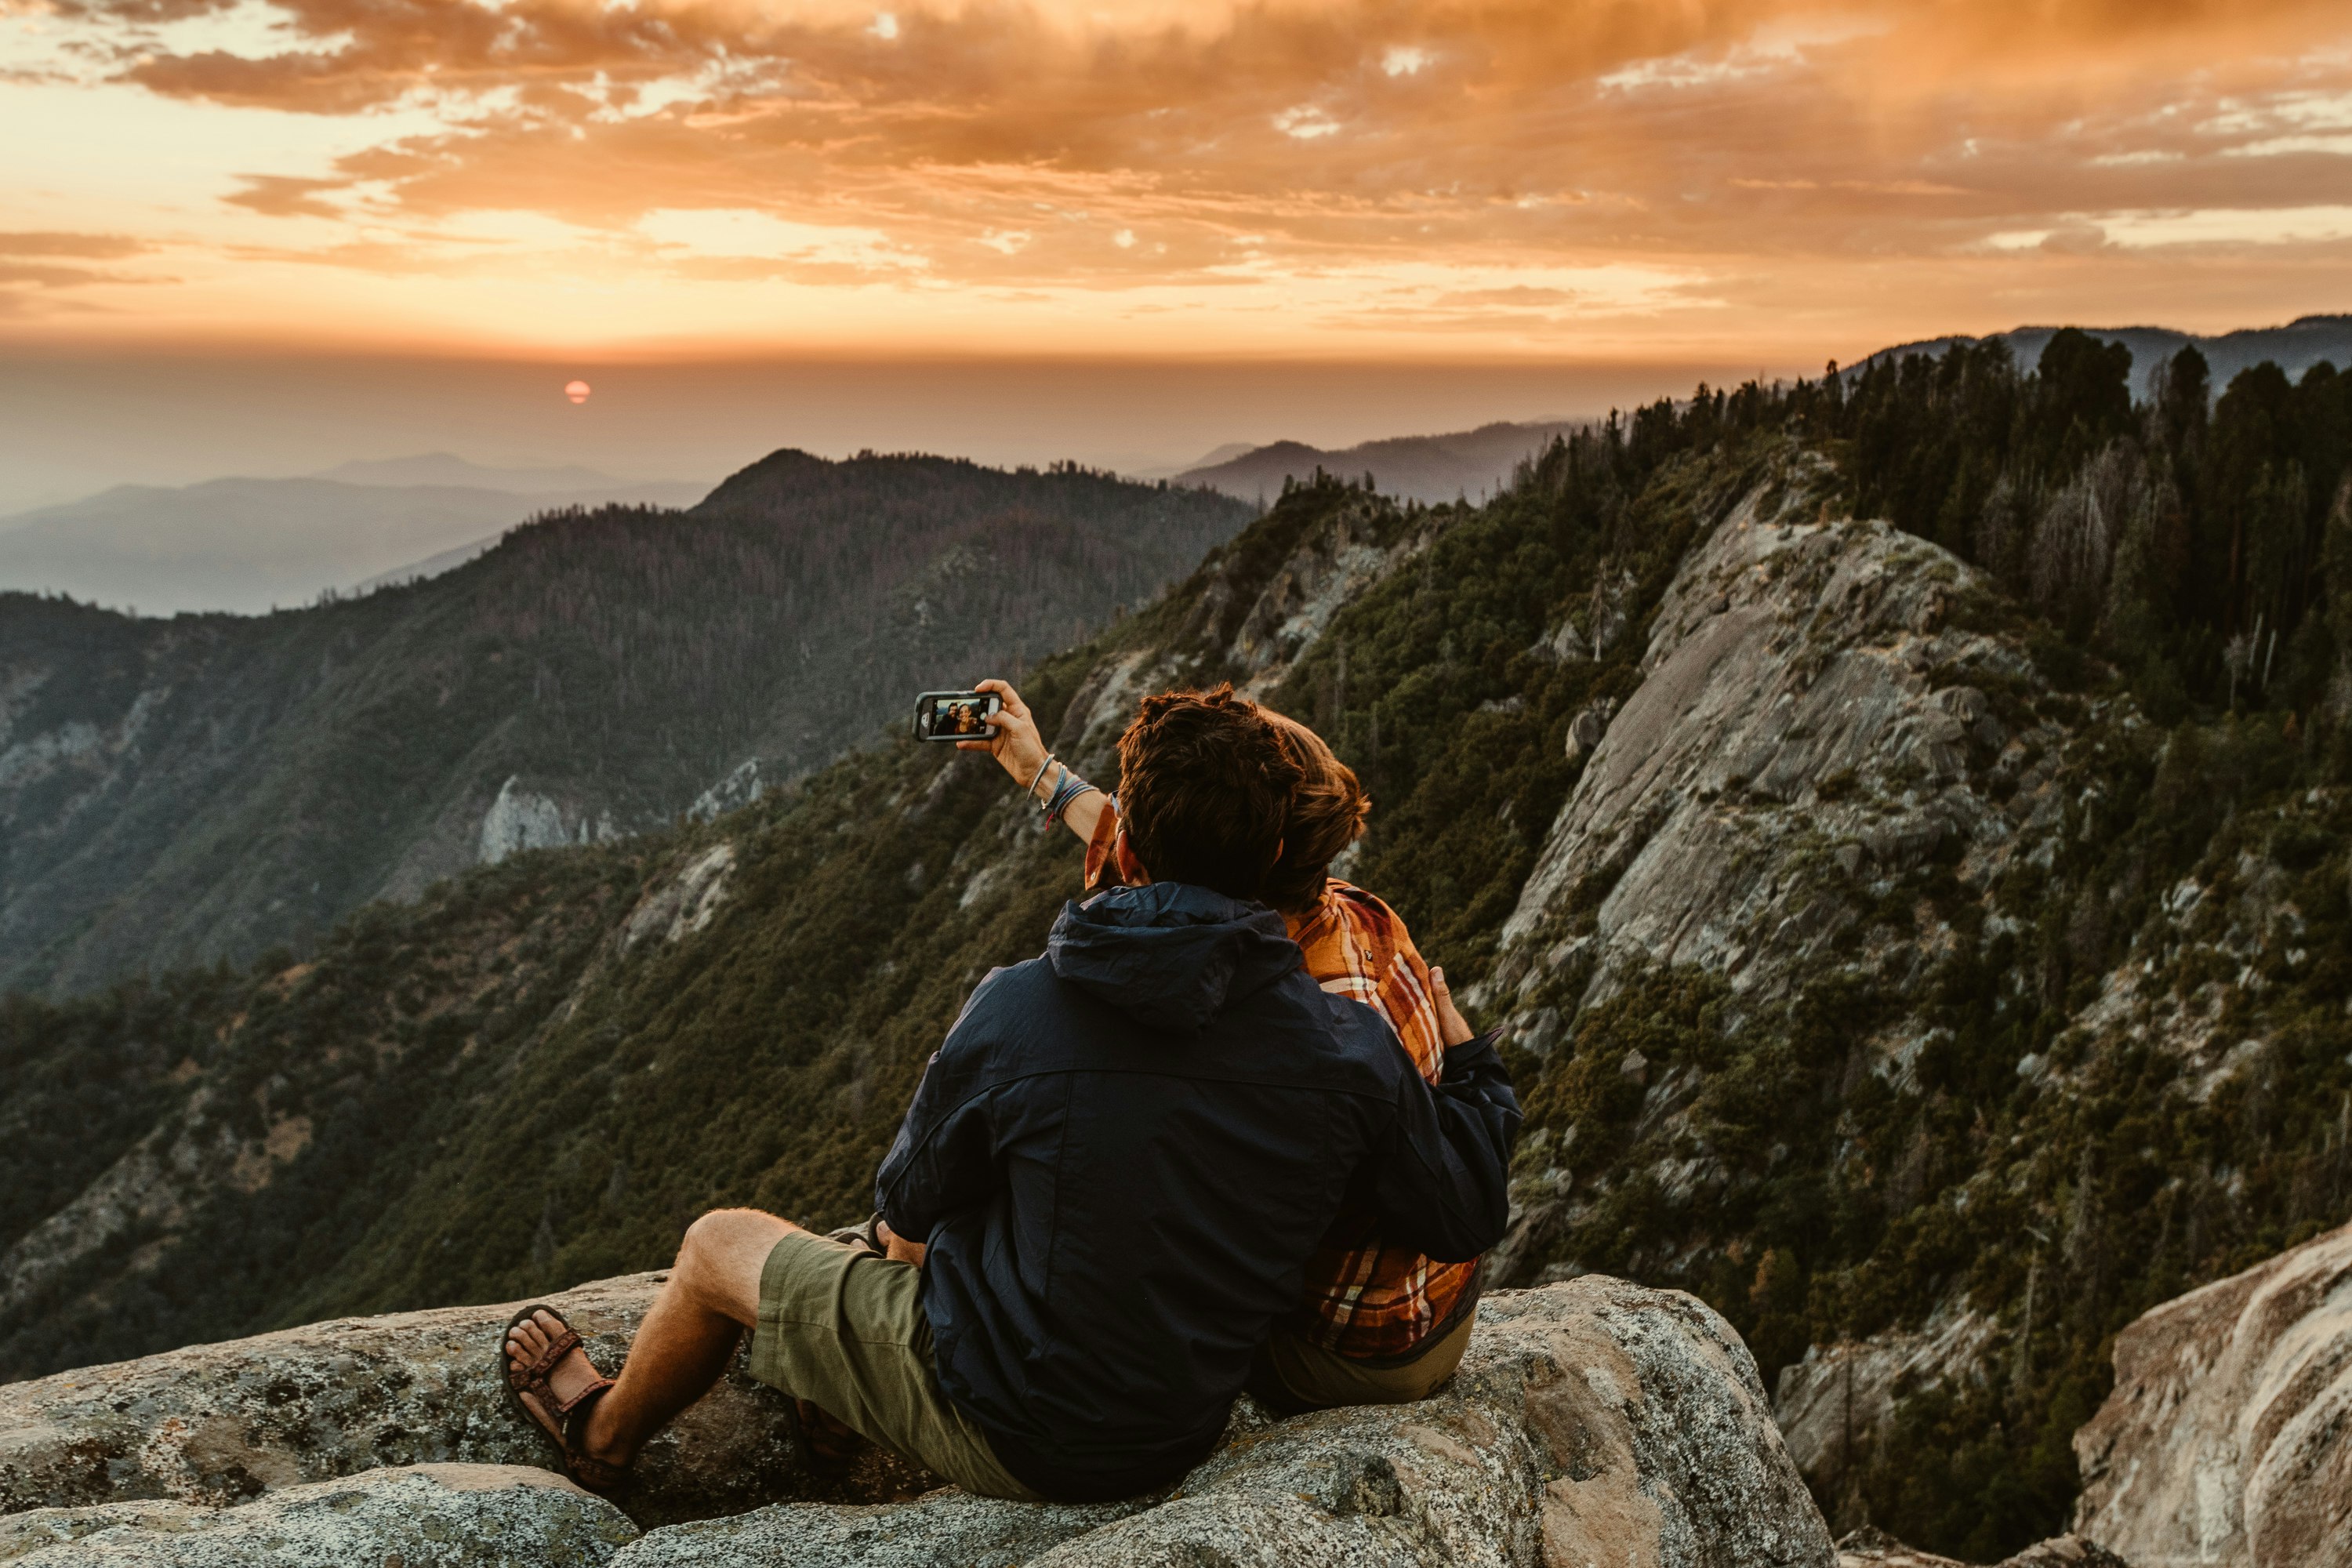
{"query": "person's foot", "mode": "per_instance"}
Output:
(570, 1376)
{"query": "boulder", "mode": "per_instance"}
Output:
(420, 1516)
(214, 1425)
(1592, 1422)
(2228, 1440)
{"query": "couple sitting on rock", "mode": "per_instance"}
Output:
(1202, 1144)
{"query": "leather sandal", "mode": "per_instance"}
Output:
(570, 1416)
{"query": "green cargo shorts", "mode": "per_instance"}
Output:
(843, 1328)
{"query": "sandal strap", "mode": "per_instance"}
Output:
(596, 1475)
(565, 1407)
(531, 1377)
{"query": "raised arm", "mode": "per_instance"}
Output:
(1015, 742)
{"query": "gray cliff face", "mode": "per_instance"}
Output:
(1810, 719)
(2228, 1440)
(1592, 1422)
(1833, 1402)
(1817, 717)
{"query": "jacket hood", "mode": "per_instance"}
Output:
(1169, 955)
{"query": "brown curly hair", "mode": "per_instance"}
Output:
(1327, 814)
(1204, 790)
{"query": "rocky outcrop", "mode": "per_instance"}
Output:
(1832, 1404)
(212, 1426)
(423, 1516)
(683, 904)
(521, 819)
(1810, 722)
(1592, 1422)
(2228, 1440)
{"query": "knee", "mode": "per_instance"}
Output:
(720, 1259)
(720, 1242)
(721, 1233)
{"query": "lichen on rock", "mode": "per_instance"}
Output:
(213, 1425)
(423, 1516)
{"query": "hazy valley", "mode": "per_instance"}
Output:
(251, 546)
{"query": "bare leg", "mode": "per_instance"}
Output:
(687, 1341)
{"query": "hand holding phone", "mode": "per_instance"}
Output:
(1012, 738)
(955, 716)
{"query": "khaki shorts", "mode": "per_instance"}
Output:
(843, 1329)
(1294, 1375)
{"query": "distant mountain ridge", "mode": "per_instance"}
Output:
(2294, 347)
(1465, 465)
(209, 786)
(1475, 464)
(248, 546)
(448, 468)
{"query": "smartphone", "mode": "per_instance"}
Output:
(954, 715)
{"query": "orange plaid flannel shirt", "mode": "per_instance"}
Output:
(1364, 1298)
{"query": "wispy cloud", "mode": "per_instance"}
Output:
(1752, 151)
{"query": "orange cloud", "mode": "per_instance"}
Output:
(97, 246)
(1431, 165)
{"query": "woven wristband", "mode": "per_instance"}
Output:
(1072, 787)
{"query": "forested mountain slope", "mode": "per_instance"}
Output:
(185, 791)
(1919, 920)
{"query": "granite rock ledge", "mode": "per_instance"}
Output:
(1592, 1422)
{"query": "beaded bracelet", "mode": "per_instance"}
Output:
(1036, 777)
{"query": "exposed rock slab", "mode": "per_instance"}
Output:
(1868, 1548)
(425, 1516)
(214, 1425)
(1592, 1422)
(2228, 1440)
(946, 1526)
(1835, 1401)
(1809, 723)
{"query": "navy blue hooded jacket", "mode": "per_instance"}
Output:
(1123, 1156)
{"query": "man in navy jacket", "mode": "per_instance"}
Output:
(1119, 1161)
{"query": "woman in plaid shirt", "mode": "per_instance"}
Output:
(1380, 1324)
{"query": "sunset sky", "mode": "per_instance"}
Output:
(1744, 183)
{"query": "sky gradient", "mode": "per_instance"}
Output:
(1323, 179)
